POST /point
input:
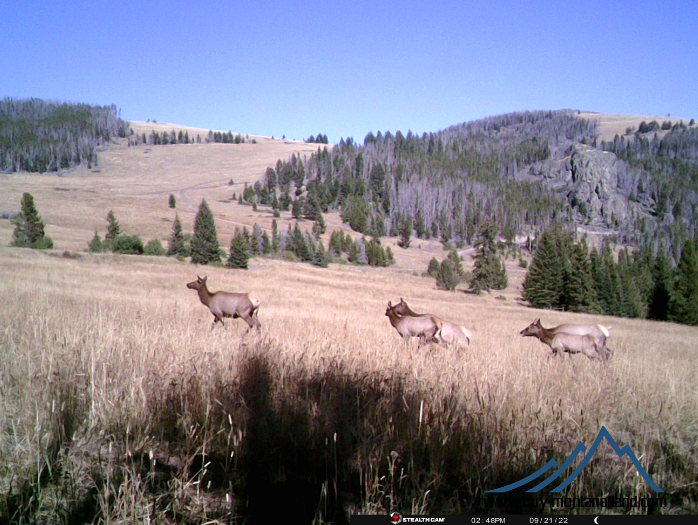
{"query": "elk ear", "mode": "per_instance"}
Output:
(537, 321)
(390, 304)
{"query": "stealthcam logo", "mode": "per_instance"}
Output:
(580, 448)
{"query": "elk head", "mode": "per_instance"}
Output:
(533, 329)
(198, 284)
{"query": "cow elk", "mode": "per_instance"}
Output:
(426, 328)
(449, 333)
(228, 304)
(560, 342)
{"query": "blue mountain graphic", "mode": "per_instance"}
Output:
(603, 433)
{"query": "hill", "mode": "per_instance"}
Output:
(120, 401)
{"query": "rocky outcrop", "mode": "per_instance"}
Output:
(589, 179)
(594, 182)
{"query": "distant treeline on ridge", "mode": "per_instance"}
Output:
(39, 135)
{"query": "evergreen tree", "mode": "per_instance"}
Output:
(419, 226)
(631, 304)
(488, 272)
(662, 290)
(96, 245)
(545, 279)
(204, 244)
(434, 266)
(446, 278)
(581, 290)
(319, 226)
(173, 201)
(298, 244)
(610, 289)
(275, 239)
(238, 256)
(256, 240)
(320, 256)
(29, 228)
(297, 209)
(336, 243)
(457, 263)
(113, 227)
(684, 307)
(175, 244)
(405, 232)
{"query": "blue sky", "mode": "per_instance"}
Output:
(347, 68)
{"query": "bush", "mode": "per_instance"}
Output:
(96, 245)
(127, 244)
(154, 247)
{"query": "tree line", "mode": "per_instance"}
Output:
(447, 183)
(155, 138)
(566, 275)
(40, 136)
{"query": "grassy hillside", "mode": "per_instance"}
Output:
(120, 404)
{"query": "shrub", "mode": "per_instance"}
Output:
(127, 244)
(154, 247)
(96, 245)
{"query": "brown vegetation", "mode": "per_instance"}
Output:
(118, 406)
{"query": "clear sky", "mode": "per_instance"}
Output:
(344, 68)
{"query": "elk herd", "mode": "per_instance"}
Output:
(587, 339)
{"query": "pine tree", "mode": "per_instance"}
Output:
(457, 263)
(204, 243)
(631, 304)
(405, 232)
(581, 290)
(297, 209)
(419, 226)
(96, 245)
(320, 256)
(684, 307)
(662, 290)
(173, 201)
(488, 272)
(113, 227)
(433, 268)
(611, 291)
(446, 278)
(319, 226)
(175, 244)
(29, 228)
(275, 239)
(544, 282)
(238, 256)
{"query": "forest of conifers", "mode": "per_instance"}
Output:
(449, 182)
(39, 136)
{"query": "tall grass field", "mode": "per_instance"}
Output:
(119, 404)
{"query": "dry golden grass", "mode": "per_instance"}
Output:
(611, 125)
(108, 360)
(119, 404)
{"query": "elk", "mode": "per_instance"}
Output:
(599, 331)
(449, 333)
(228, 304)
(560, 342)
(426, 327)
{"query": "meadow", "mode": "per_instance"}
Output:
(119, 404)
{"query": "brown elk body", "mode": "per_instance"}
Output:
(599, 331)
(426, 328)
(449, 333)
(227, 304)
(561, 342)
